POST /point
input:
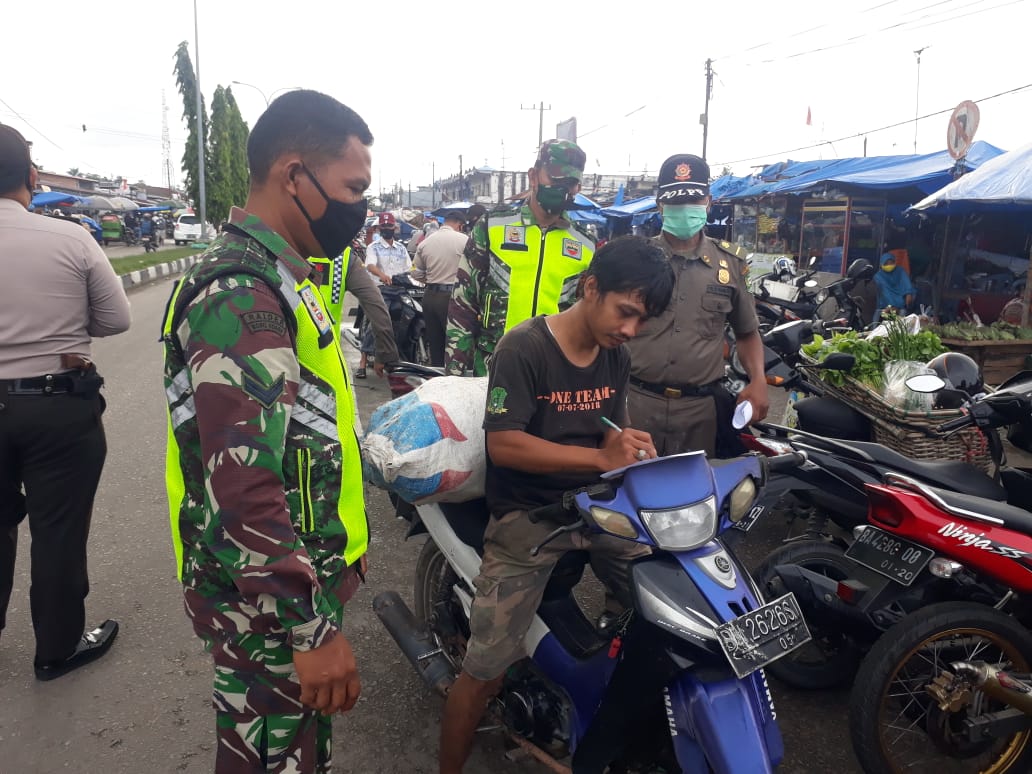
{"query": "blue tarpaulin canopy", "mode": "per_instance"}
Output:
(927, 173)
(631, 208)
(53, 198)
(1003, 184)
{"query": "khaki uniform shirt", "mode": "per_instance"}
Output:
(438, 255)
(685, 344)
(57, 290)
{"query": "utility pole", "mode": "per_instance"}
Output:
(462, 188)
(704, 118)
(540, 108)
(917, 95)
(433, 185)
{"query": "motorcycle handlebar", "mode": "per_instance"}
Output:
(956, 424)
(782, 462)
(554, 512)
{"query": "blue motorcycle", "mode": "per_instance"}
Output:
(675, 684)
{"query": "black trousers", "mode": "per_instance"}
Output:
(53, 447)
(435, 310)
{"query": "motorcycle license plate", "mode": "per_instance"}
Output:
(889, 555)
(756, 639)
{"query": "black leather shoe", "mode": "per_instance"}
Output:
(94, 644)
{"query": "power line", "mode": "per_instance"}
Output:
(37, 131)
(908, 25)
(869, 131)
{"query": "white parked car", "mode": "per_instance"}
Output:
(188, 229)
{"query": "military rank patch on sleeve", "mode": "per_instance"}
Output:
(257, 322)
(265, 394)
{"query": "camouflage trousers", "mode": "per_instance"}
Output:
(261, 725)
(512, 583)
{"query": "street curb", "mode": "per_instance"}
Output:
(142, 276)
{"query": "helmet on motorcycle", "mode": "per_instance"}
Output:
(860, 269)
(783, 265)
(959, 372)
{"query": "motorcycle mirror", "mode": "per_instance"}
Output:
(813, 261)
(810, 283)
(838, 361)
(925, 383)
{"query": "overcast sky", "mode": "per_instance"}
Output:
(435, 80)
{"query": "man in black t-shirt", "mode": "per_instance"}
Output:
(553, 379)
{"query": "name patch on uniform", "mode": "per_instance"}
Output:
(257, 322)
(720, 290)
(515, 235)
(315, 310)
(572, 249)
(265, 394)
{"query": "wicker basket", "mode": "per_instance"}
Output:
(913, 433)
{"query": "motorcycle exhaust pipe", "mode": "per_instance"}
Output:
(415, 642)
(997, 684)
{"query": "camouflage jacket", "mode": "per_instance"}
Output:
(257, 446)
(478, 315)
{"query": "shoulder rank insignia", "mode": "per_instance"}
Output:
(265, 394)
(723, 276)
(572, 249)
(515, 235)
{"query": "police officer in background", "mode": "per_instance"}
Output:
(58, 290)
(677, 359)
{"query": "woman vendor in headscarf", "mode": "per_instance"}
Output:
(894, 286)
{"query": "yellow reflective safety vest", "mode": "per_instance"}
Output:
(321, 466)
(332, 273)
(539, 271)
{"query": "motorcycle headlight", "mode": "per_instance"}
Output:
(684, 528)
(614, 522)
(741, 499)
(822, 296)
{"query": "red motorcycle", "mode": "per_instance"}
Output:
(946, 688)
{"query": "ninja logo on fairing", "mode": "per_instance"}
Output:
(966, 537)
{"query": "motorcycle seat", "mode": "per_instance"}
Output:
(1016, 519)
(954, 475)
(559, 609)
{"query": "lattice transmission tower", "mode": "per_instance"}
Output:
(166, 147)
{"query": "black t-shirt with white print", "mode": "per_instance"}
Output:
(533, 387)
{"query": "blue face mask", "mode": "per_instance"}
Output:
(683, 221)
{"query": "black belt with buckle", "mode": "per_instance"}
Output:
(441, 287)
(51, 384)
(680, 391)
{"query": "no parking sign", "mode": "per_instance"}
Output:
(961, 131)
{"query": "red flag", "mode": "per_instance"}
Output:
(809, 118)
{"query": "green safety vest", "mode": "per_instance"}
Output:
(324, 384)
(541, 269)
(334, 272)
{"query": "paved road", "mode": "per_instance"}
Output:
(145, 707)
(124, 251)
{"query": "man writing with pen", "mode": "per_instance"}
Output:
(557, 385)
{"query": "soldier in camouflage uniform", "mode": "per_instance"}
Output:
(264, 475)
(520, 264)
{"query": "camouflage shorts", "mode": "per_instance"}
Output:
(512, 582)
(285, 744)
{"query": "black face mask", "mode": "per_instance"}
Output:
(338, 226)
(387, 233)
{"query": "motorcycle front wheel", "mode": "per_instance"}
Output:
(831, 658)
(895, 723)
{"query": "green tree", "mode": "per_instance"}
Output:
(187, 82)
(227, 149)
(239, 133)
(220, 151)
(74, 171)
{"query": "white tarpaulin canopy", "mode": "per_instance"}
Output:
(1002, 183)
